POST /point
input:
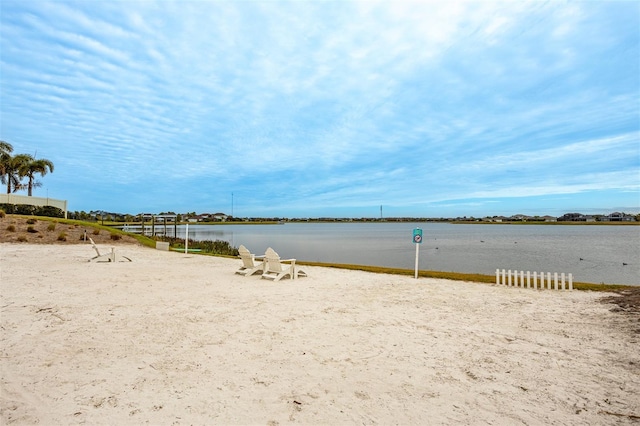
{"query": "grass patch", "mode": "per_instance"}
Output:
(454, 276)
(62, 236)
(11, 228)
(31, 229)
(2, 214)
(51, 227)
(217, 247)
(22, 239)
(31, 221)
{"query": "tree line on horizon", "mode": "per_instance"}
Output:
(14, 168)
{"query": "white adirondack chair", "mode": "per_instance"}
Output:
(249, 265)
(107, 257)
(277, 268)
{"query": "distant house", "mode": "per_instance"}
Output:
(198, 218)
(220, 217)
(618, 217)
(549, 219)
(571, 217)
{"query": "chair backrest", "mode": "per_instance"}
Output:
(95, 247)
(246, 256)
(273, 260)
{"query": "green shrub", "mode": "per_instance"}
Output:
(11, 228)
(210, 247)
(51, 227)
(31, 221)
(62, 236)
(31, 230)
(49, 211)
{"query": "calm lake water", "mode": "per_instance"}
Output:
(591, 253)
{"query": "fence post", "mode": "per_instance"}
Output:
(570, 282)
(535, 280)
(555, 280)
(497, 276)
(509, 278)
(548, 280)
(562, 281)
(541, 280)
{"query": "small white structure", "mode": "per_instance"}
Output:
(517, 279)
(162, 245)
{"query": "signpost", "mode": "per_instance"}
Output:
(186, 239)
(417, 240)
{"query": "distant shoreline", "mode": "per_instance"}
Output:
(111, 223)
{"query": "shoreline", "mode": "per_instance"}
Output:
(74, 231)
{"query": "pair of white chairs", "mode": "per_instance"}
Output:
(270, 265)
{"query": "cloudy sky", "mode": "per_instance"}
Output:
(327, 108)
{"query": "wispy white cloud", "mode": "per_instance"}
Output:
(324, 105)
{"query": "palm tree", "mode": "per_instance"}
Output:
(5, 148)
(5, 155)
(30, 167)
(12, 167)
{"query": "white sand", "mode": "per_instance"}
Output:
(179, 339)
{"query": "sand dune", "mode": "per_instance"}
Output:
(180, 339)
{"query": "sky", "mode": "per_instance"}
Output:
(327, 108)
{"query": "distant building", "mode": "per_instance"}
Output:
(220, 217)
(571, 217)
(618, 217)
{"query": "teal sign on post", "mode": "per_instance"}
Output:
(417, 236)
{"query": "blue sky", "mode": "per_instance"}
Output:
(327, 108)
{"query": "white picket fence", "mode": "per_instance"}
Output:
(519, 279)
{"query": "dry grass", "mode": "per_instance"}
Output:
(26, 229)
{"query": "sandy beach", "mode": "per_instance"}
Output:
(180, 339)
